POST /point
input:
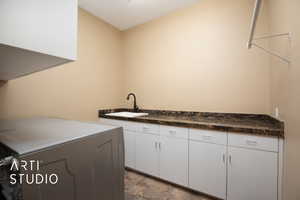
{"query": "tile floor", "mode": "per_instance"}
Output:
(139, 187)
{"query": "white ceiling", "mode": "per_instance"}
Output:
(124, 14)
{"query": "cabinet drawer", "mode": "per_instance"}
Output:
(215, 137)
(148, 128)
(110, 122)
(253, 142)
(130, 126)
(171, 131)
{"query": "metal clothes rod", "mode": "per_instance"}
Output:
(250, 43)
(272, 36)
(272, 53)
(254, 20)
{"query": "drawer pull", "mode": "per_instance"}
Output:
(251, 142)
(206, 137)
(172, 132)
(145, 128)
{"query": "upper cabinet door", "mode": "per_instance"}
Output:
(48, 26)
(36, 35)
(252, 174)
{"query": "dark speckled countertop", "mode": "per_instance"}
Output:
(240, 123)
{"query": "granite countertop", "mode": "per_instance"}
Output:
(230, 122)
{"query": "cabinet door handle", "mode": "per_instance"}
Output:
(224, 158)
(229, 159)
(206, 137)
(155, 145)
(251, 142)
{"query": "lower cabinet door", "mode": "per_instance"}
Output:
(252, 174)
(174, 160)
(207, 168)
(129, 142)
(147, 153)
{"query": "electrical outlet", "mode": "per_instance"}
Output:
(277, 112)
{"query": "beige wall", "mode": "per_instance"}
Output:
(192, 59)
(75, 90)
(284, 17)
(196, 59)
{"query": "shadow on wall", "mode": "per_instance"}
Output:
(2, 83)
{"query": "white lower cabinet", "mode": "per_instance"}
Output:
(147, 153)
(129, 143)
(174, 160)
(207, 168)
(228, 166)
(252, 174)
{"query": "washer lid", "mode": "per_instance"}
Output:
(29, 135)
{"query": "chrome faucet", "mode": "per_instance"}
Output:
(135, 107)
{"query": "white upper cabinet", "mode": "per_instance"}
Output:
(36, 35)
